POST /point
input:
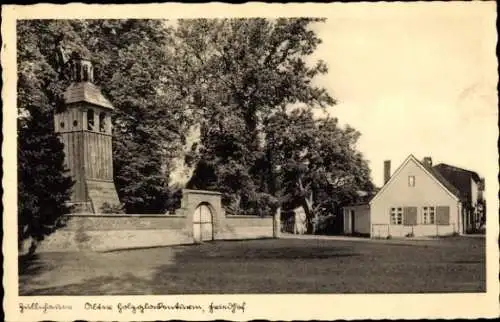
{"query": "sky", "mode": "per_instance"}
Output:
(415, 80)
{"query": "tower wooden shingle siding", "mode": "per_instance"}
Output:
(86, 131)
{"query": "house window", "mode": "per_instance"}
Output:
(90, 120)
(85, 73)
(411, 181)
(428, 215)
(397, 216)
(102, 122)
(78, 74)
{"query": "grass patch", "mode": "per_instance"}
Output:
(264, 266)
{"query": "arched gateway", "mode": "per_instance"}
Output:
(203, 223)
(204, 214)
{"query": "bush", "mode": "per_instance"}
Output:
(174, 199)
(266, 204)
(44, 184)
(388, 237)
(257, 204)
(106, 208)
(324, 224)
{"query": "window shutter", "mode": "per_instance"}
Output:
(410, 216)
(443, 215)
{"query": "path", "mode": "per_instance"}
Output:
(401, 241)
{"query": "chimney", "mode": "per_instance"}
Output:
(428, 162)
(387, 170)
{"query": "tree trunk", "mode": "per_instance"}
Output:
(33, 247)
(308, 207)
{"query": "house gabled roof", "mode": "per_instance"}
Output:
(434, 174)
(460, 179)
(473, 174)
(438, 176)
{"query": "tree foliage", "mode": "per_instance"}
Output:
(43, 185)
(251, 69)
(318, 165)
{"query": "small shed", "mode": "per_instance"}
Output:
(294, 221)
(357, 219)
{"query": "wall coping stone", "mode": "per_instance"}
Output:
(124, 215)
(201, 192)
(248, 216)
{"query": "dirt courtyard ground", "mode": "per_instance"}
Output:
(264, 266)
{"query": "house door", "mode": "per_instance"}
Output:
(202, 224)
(353, 224)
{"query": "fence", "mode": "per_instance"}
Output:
(380, 230)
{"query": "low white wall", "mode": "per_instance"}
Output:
(108, 232)
(100, 232)
(384, 230)
(107, 240)
(245, 227)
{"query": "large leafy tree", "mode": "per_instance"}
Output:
(43, 186)
(256, 147)
(314, 162)
(251, 68)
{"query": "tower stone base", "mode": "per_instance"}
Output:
(100, 192)
(80, 207)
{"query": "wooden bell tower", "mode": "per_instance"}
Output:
(86, 131)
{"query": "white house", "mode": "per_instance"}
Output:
(415, 201)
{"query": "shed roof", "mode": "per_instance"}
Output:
(364, 198)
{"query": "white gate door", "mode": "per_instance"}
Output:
(202, 224)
